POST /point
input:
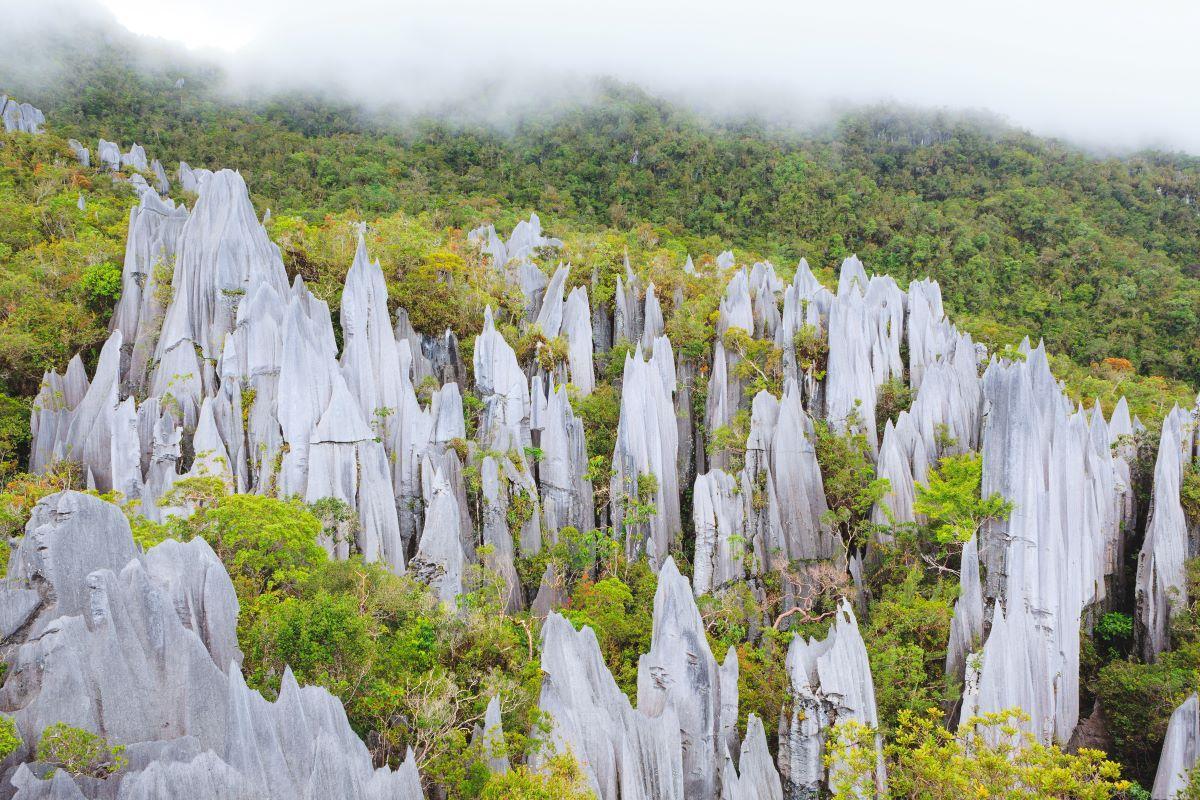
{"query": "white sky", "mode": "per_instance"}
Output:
(1109, 74)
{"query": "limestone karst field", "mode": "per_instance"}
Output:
(623, 454)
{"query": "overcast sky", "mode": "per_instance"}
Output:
(1105, 74)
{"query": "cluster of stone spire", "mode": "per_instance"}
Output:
(217, 366)
(142, 648)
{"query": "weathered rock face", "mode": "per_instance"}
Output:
(681, 674)
(82, 154)
(1047, 562)
(143, 648)
(577, 328)
(830, 683)
(1161, 585)
(1180, 751)
(20, 117)
(755, 776)
(866, 322)
(154, 229)
(719, 516)
(489, 738)
(646, 454)
(561, 474)
(440, 560)
(624, 753)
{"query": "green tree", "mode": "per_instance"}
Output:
(79, 752)
(951, 500)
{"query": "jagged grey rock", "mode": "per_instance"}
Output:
(20, 117)
(624, 753)
(966, 627)
(81, 153)
(562, 472)
(155, 225)
(830, 683)
(1180, 751)
(143, 649)
(718, 514)
(109, 154)
(1045, 563)
(440, 560)
(680, 673)
(577, 328)
(1161, 588)
(489, 738)
(136, 158)
(496, 535)
(646, 452)
(755, 776)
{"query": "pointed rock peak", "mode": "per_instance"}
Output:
(489, 322)
(341, 422)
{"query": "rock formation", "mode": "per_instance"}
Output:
(1180, 751)
(1161, 588)
(20, 117)
(143, 648)
(646, 454)
(830, 683)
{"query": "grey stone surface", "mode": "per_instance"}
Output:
(142, 648)
(1180, 751)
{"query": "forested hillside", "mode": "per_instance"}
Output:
(1100, 256)
(751, 450)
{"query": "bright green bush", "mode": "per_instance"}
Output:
(101, 285)
(79, 752)
(10, 737)
(950, 499)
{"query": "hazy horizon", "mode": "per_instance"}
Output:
(1092, 74)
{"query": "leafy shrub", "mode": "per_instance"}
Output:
(79, 752)
(10, 737)
(267, 544)
(621, 615)
(562, 779)
(101, 285)
(1138, 700)
(988, 756)
(848, 473)
(1114, 634)
(893, 397)
(951, 500)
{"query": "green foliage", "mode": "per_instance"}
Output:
(951, 501)
(812, 350)
(759, 363)
(79, 752)
(1189, 491)
(56, 262)
(23, 491)
(1114, 634)
(620, 613)
(600, 413)
(1138, 700)
(101, 285)
(907, 629)
(267, 544)
(561, 779)
(730, 440)
(10, 737)
(988, 756)
(14, 434)
(851, 487)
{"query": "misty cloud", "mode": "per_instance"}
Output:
(1104, 74)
